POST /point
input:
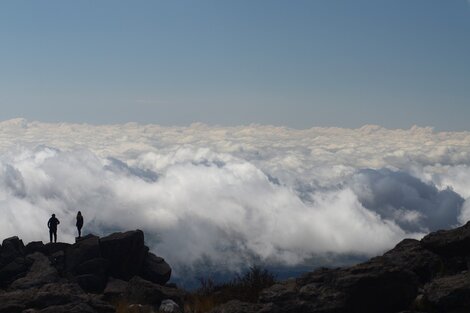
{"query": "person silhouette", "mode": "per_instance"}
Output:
(79, 223)
(52, 225)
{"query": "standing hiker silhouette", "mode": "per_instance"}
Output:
(52, 225)
(79, 223)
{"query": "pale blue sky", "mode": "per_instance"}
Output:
(294, 63)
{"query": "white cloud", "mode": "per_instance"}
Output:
(232, 195)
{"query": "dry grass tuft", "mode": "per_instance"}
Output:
(246, 287)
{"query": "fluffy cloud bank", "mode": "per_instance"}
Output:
(231, 196)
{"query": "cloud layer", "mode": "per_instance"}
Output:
(231, 196)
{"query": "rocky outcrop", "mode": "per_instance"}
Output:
(13, 263)
(82, 277)
(448, 293)
(144, 292)
(40, 273)
(156, 269)
(127, 253)
(431, 275)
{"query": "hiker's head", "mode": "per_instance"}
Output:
(53, 215)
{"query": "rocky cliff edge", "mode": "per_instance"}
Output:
(92, 275)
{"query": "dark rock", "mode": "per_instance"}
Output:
(86, 249)
(145, 292)
(69, 308)
(236, 306)
(377, 286)
(313, 293)
(13, 244)
(280, 292)
(11, 308)
(99, 305)
(39, 274)
(447, 294)
(17, 268)
(454, 265)
(454, 242)
(125, 252)
(270, 308)
(115, 289)
(58, 261)
(59, 277)
(14, 301)
(374, 286)
(52, 248)
(56, 294)
(415, 275)
(156, 269)
(98, 266)
(411, 255)
(12, 248)
(35, 246)
(54, 297)
(91, 283)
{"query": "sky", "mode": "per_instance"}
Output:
(287, 63)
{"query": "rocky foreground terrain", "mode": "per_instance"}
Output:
(93, 275)
(98, 274)
(431, 275)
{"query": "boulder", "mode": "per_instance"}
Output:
(99, 305)
(97, 266)
(449, 293)
(12, 307)
(115, 289)
(454, 242)
(314, 292)
(145, 292)
(56, 294)
(91, 283)
(59, 277)
(156, 269)
(40, 273)
(17, 268)
(84, 250)
(13, 244)
(125, 252)
(12, 248)
(15, 301)
(410, 254)
(69, 308)
(376, 286)
(281, 292)
(54, 297)
(236, 306)
(52, 248)
(35, 246)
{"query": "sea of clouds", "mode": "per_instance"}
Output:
(228, 197)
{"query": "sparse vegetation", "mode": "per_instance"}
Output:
(245, 287)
